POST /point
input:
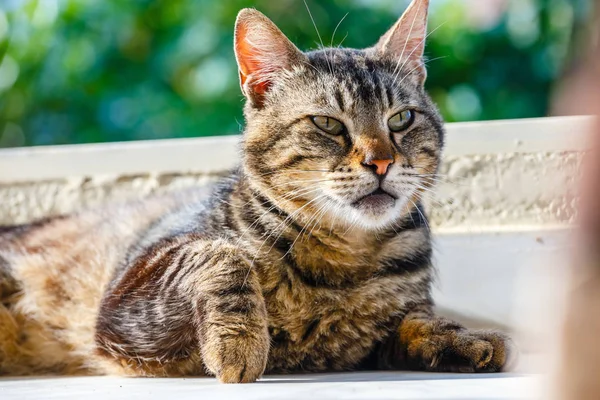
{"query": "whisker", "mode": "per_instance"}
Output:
(301, 182)
(293, 170)
(392, 226)
(434, 59)
(435, 202)
(336, 211)
(413, 70)
(304, 228)
(285, 197)
(343, 39)
(422, 217)
(282, 224)
(430, 198)
(310, 65)
(293, 195)
(446, 181)
(436, 177)
(321, 214)
(275, 241)
(353, 223)
(318, 34)
(300, 233)
(411, 215)
(288, 197)
(336, 28)
(412, 26)
(425, 189)
(397, 73)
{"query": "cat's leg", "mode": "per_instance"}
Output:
(426, 342)
(186, 306)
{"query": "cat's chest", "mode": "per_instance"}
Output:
(319, 329)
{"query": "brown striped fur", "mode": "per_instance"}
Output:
(290, 264)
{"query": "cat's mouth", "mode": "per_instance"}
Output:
(375, 200)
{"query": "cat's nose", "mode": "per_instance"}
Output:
(380, 167)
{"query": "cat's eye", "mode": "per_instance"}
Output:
(329, 125)
(401, 121)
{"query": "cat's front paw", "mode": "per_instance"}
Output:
(233, 332)
(239, 360)
(236, 345)
(444, 346)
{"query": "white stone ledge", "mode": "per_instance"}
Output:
(536, 135)
(208, 155)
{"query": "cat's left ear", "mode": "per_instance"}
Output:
(263, 52)
(405, 41)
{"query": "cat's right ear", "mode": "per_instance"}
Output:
(405, 41)
(262, 52)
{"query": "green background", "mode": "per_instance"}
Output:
(80, 71)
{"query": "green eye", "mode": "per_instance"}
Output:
(401, 121)
(329, 125)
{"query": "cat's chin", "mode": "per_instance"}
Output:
(376, 211)
(375, 202)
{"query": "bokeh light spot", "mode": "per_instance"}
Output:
(463, 103)
(9, 72)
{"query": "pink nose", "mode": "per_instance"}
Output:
(382, 165)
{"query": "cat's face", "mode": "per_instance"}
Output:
(339, 135)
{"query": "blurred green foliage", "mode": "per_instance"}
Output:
(77, 71)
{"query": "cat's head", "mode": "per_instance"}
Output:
(343, 135)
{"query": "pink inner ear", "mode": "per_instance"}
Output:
(414, 50)
(258, 87)
(248, 57)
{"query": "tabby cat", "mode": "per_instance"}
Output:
(314, 255)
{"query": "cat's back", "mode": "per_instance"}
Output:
(90, 239)
(53, 274)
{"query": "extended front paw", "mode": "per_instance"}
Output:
(235, 339)
(233, 321)
(505, 352)
(443, 346)
(238, 357)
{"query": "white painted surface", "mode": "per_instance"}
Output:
(362, 386)
(480, 273)
(220, 153)
(537, 135)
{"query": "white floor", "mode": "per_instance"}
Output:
(370, 385)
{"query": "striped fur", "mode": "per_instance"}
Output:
(284, 267)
